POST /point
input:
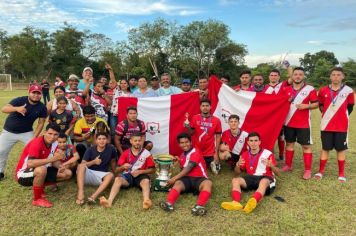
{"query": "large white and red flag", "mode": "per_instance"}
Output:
(164, 116)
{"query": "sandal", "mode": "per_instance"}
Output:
(91, 201)
(80, 202)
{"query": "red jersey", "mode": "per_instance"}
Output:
(256, 164)
(37, 149)
(205, 129)
(238, 87)
(142, 161)
(335, 116)
(236, 144)
(300, 118)
(76, 96)
(277, 89)
(195, 156)
(126, 132)
(69, 152)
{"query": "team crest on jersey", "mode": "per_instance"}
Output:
(153, 128)
(343, 95)
(304, 93)
(225, 114)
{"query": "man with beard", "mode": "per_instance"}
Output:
(73, 92)
(245, 78)
(154, 83)
(186, 85)
(257, 84)
(23, 111)
(166, 87)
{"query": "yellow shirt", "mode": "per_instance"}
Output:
(82, 127)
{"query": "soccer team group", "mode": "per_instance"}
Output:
(83, 137)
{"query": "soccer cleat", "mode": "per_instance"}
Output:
(214, 168)
(281, 158)
(166, 206)
(2, 176)
(286, 168)
(104, 202)
(342, 179)
(318, 176)
(199, 210)
(250, 205)
(42, 202)
(232, 206)
(307, 174)
(147, 204)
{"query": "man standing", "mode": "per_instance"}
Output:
(303, 98)
(87, 78)
(245, 78)
(203, 84)
(45, 91)
(186, 85)
(23, 111)
(260, 166)
(154, 83)
(73, 93)
(143, 90)
(225, 79)
(35, 167)
(336, 104)
(257, 83)
(166, 87)
(133, 83)
(206, 132)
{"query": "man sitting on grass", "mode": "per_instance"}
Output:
(34, 167)
(193, 178)
(94, 168)
(136, 163)
(260, 166)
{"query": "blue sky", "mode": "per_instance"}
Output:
(269, 28)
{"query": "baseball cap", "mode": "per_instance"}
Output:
(186, 81)
(154, 78)
(73, 77)
(88, 68)
(35, 88)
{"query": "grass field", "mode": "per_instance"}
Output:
(312, 207)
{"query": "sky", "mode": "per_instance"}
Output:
(270, 29)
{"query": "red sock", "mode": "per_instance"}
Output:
(172, 197)
(308, 159)
(281, 146)
(289, 158)
(203, 198)
(322, 166)
(341, 164)
(258, 196)
(236, 196)
(37, 192)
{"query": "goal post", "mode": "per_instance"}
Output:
(5, 82)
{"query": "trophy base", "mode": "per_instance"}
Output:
(160, 185)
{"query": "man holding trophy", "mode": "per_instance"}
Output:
(192, 179)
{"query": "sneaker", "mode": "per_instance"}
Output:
(147, 204)
(166, 206)
(342, 179)
(318, 176)
(250, 205)
(286, 168)
(199, 210)
(42, 202)
(214, 168)
(307, 174)
(2, 176)
(232, 206)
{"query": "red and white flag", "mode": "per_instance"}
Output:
(164, 116)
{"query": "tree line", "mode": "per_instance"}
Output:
(197, 49)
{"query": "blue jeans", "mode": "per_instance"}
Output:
(113, 123)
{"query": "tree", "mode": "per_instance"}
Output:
(321, 73)
(95, 44)
(309, 60)
(3, 50)
(350, 72)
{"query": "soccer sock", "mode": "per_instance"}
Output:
(341, 164)
(236, 196)
(322, 166)
(37, 192)
(289, 158)
(258, 196)
(308, 159)
(172, 197)
(281, 146)
(203, 198)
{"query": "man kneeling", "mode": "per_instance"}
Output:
(260, 166)
(136, 163)
(35, 165)
(94, 169)
(193, 178)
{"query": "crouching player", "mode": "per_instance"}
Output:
(260, 166)
(136, 163)
(71, 155)
(193, 178)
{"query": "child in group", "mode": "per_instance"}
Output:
(62, 117)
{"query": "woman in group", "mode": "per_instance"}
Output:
(71, 106)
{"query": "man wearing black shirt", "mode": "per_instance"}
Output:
(45, 91)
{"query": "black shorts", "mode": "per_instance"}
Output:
(233, 160)
(253, 181)
(51, 177)
(299, 135)
(134, 181)
(208, 160)
(331, 140)
(192, 184)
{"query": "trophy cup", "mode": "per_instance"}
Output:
(164, 163)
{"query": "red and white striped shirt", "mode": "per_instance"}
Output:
(195, 156)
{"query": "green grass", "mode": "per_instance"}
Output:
(312, 207)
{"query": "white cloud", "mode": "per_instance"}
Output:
(315, 42)
(123, 27)
(254, 60)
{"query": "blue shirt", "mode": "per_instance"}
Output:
(81, 85)
(149, 93)
(106, 156)
(168, 91)
(17, 123)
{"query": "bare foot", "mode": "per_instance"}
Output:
(147, 204)
(104, 202)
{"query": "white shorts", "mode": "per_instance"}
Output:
(93, 177)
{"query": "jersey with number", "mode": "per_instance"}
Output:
(237, 144)
(335, 116)
(205, 129)
(256, 164)
(194, 155)
(300, 118)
